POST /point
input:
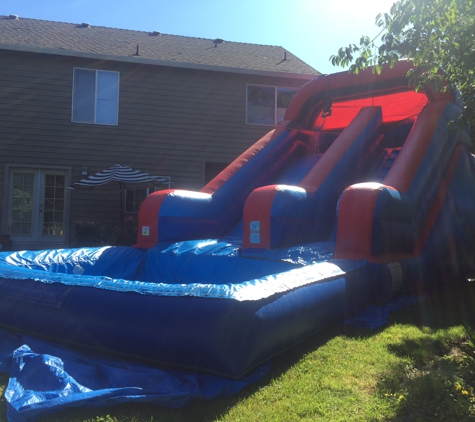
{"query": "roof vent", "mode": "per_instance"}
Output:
(85, 25)
(156, 33)
(218, 41)
(13, 17)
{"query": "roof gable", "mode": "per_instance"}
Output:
(146, 47)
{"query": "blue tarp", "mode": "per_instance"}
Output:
(46, 378)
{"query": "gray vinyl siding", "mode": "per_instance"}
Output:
(171, 121)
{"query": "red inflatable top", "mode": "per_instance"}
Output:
(345, 94)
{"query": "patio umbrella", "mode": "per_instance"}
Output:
(122, 175)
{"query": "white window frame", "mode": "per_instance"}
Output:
(276, 88)
(96, 72)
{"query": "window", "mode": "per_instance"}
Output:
(266, 105)
(135, 197)
(95, 97)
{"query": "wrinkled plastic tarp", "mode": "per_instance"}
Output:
(46, 378)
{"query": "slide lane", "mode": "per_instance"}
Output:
(173, 215)
(391, 221)
(283, 215)
(444, 250)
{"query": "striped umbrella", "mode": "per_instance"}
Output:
(122, 175)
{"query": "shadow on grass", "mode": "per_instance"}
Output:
(439, 382)
(446, 306)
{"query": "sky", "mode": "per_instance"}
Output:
(312, 30)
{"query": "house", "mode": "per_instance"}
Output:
(76, 99)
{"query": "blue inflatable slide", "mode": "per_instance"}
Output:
(364, 191)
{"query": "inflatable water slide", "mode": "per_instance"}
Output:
(364, 191)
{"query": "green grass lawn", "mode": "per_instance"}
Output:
(417, 367)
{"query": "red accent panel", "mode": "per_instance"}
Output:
(398, 109)
(148, 216)
(258, 205)
(355, 221)
(405, 167)
(340, 80)
(243, 159)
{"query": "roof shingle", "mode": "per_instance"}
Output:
(57, 37)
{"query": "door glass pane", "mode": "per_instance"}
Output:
(53, 205)
(26, 229)
(22, 204)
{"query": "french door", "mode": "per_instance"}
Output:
(37, 205)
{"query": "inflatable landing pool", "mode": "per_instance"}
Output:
(364, 191)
